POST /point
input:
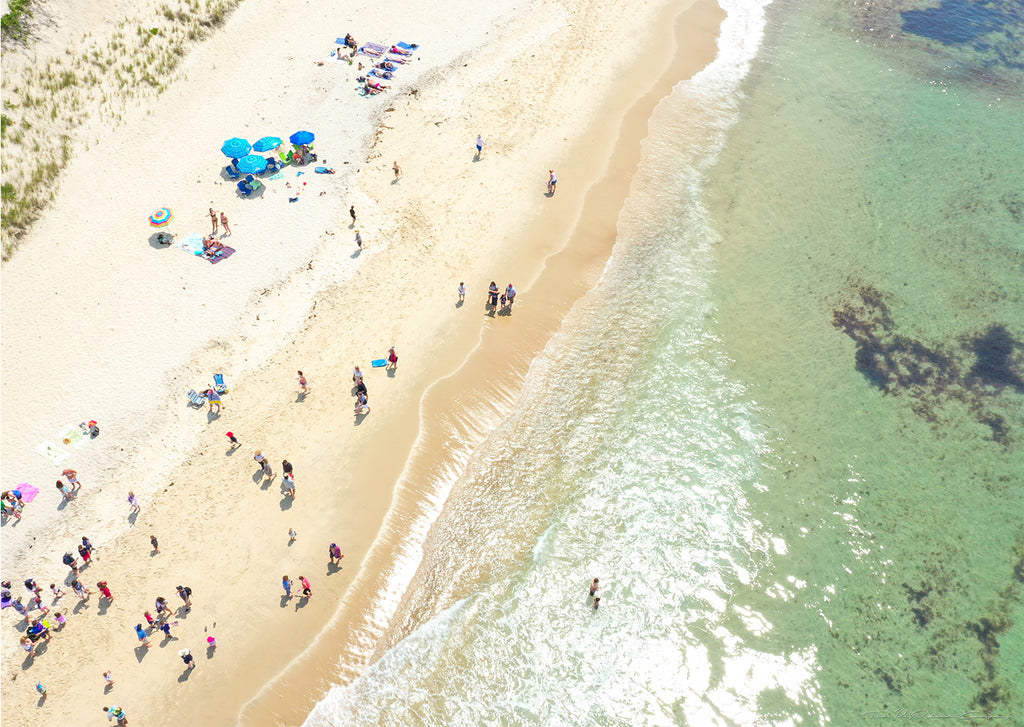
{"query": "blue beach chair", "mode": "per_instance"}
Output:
(244, 188)
(219, 385)
(196, 399)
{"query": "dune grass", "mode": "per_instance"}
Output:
(46, 108)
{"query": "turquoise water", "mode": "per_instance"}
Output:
(786, 430)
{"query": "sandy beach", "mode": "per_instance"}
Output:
(100, 324)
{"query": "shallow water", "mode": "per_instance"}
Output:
(785, 430)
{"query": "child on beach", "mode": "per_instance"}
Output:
(108, 679)
(155, 543)
(462, 292)
(105, 590)
(60, 618)
(86, 555)
(149, 618)
(80, 590)
(286, 584)
(292, 535)
(303, 383)
(134, 502)
(307, 590)
(289, 484)
(234, 440)
(65, 490)
(335, 552)
(58, 592)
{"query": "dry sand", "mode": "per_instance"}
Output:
(99, 324)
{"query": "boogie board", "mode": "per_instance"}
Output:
(379, 362)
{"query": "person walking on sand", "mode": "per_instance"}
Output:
(362, 404)
(85, 554)
(66, 491)
(352, 212)
(71, 562)
(187, 657)
(335, 552)
(105, 590)
(162, 607)
(359, 240)
(58, 592)
(397, 169)
(213, 220)
(292, 535)
(88, 545)
(72, 478)
(149, 619)
(492, 294)
(80, 590)
(224, 224)
(155, 543)
(234, 440)
(185, 593)
(289, 484)
(213, 398)
(141, 633)
(109, 680)
(303, 383)
(307, 590)
(552, 181)
(392, 358)
(134, 502)
(510, 293)
(462, 292)
(357, 375)
(286, 584)
(479, 146)
(117, 713)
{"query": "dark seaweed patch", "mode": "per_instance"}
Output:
(981, 367)
(956, 21)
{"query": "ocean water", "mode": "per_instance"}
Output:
(786, 430)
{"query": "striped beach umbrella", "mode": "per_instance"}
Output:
(161, 217)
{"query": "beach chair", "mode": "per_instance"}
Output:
(253, 183)
(232, 172)
(218, 384)
(244, 188)
(196, 399)
(272, 166)
(286, 157)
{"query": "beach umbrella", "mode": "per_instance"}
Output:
(252, 164)
(161, 217)
(235, 148)
(302, 137)
(267, 143)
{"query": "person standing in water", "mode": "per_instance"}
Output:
(594, 587)
(552, 181)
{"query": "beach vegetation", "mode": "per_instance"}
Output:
(58, 97)
(14, 24)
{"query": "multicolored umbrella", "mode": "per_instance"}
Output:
(252, 164)
(302, 137)
(267, 143)
(234, 148)
(161, 217)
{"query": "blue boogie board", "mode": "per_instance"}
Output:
(377, 363)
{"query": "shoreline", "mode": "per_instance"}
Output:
(444, 444)
(352, 487)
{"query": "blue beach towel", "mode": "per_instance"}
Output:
(408, 46)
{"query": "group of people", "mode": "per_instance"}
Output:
(495, 296)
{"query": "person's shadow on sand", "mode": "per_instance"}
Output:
(284, 601)
(140, 652)
(333, 568)
(286, 503)
(301, 397)
(360, 415)
(185, 675)
(104, 606)
(132, 518)
(257, 475)
(212, 416)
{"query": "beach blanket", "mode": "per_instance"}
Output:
(397, 59)
(28, 492)
(73, 436)
(279, 175)
(324, 170)
(373, 50)
(47, 450)
(381, 73)
(340, 56)
(224, 254)
(193, 244)
(407, 46)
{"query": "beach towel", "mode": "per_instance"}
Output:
(28, 492)
(224, 254)
(193, 244)
(324, 170)
(339, 56)
(378, 363)
(401, 60)
(408, 46)
(47, 450)
(376, 52)
(381, 73)
(73, 436)
(279, 175)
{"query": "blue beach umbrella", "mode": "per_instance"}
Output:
(267, 143)
(252, 164)
(302, 137)
(235, 148)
